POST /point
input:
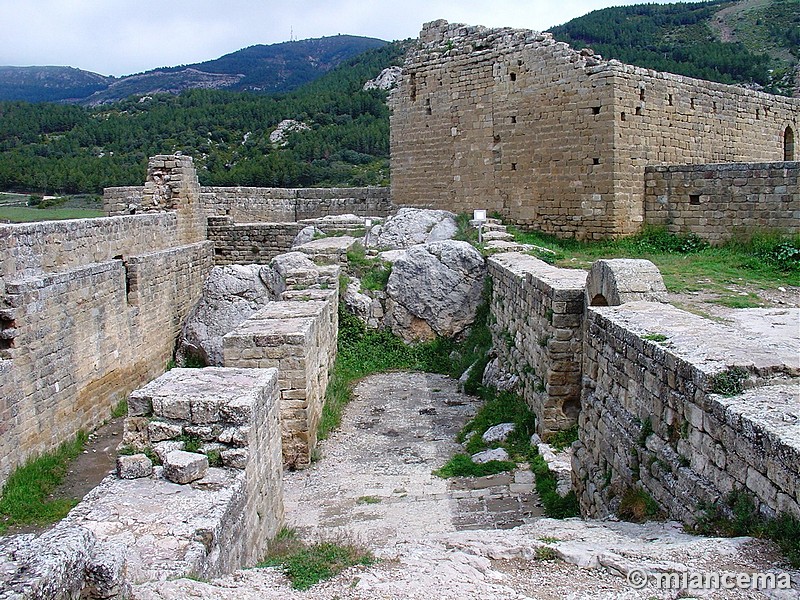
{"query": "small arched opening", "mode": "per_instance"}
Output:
(788, 144)
(599, 300)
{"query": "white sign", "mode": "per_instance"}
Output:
(479, 215)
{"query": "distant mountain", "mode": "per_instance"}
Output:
(49, 84)
(264, 68)
(750, 42)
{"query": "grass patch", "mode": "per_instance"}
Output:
(24, 500)
(461, 465)
(737, 515)
(500, 407)
(24, 214)
(120, 410)
(373, 272)
(729, 382)
(560, 440)
(555, 506)
(655, 337)
(308, 564)
(369, 500)
(686, 262)
(637, 506)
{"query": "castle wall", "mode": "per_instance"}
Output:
(719, 201)
(650, 420)
(536, 334)
(555, 139)
(243, 243)
(76, 341)
(278, 205)
(90, 309)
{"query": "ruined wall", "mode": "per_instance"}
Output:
(242, 243)
(279, 205)
(90, 309)
(298, 337)
(536, 334)
(650, 420)
(719, 201)
(76, 341)
(247, 204)
(555, 139)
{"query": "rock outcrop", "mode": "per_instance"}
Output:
(386, 80)
(412, 226)
(230, 295)
(434, 289)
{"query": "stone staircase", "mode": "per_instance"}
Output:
(496, 238)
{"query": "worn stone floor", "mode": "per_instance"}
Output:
(458, 539)
(374, 478)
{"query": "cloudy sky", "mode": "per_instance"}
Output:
(121, 37)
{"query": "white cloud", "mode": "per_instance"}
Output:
(120, 37)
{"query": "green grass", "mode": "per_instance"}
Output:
(554, 505)
(308, 564)
(120, 409)
(737, 515)
(686, 262)
(461, 465)
(369, 500)
(24, 500)
(23, 214)
(500, 407)
(559, 440)
(373, 272)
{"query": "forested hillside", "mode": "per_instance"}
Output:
(730, 41)
(50, 148)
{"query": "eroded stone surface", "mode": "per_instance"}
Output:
(134, 466)
(412, 226)
(184, 467)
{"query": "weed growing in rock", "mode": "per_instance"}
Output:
(373, 272)
(729, 382)
(369, 500)
(500, 407)
(737, 515)
(307, 564)
(559, 440)
(655, 337)
(545, 553)
(637, 506)
(555, 506)
(24, 500)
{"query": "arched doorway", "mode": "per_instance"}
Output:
(788, 144)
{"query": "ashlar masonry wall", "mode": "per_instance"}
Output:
(277, 205)
(718, 201)
(537, 334)
(298, 336)
(90, 310)
(650, 419)
(557, 139)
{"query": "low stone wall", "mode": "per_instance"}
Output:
(247, 243)
(49, 246)
(295, 204)
(130, 531)
(252, 204)
(650, 419)
(298, 336)
(719, 201)
(538, 312)
(75, 342)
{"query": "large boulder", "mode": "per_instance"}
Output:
(434, 289)
(412, 226)
(295, 270)
(230, 295)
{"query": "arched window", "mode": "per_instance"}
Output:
(788, 144)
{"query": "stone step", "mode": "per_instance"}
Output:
(497, 235)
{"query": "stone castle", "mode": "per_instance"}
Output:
(506, 120)
(565, 142)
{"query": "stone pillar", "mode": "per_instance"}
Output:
(172, 185)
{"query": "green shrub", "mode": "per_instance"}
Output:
(560, 440)
(638, 506)
(308, 564)
(729, 382)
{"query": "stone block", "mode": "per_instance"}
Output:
(134, 466)
(184, 467)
